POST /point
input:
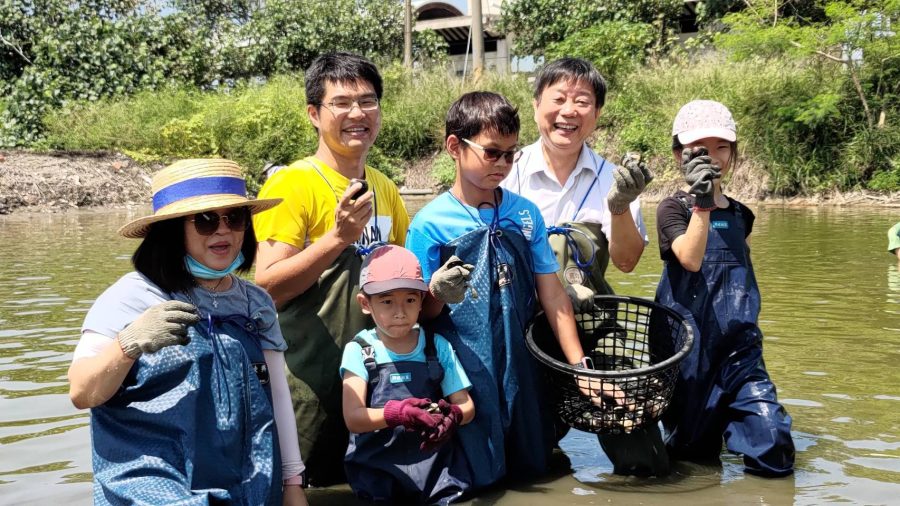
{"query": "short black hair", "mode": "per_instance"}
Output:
(339, 67)
(479, 111)
(160, 256)
(571, 69)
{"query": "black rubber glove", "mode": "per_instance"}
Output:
(699, 172)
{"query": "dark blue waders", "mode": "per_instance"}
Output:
(724, 388)
(191, 425)
(387, 466)
(512, 434)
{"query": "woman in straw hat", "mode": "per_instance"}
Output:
(181, 361)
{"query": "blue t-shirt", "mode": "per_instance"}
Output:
(445, 218)
(133, 294)
(455, 378)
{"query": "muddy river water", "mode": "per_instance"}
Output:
(831, 319)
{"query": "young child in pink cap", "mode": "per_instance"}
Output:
(724, 389)
(396, 378)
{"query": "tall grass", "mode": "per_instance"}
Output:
(794, 120)
(791, 116)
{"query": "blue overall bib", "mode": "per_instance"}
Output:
(387, 466)
(191, 425)
(512, 434)
(724, 388)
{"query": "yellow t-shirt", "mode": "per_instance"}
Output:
(311, 191)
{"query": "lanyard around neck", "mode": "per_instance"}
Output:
(377, 232)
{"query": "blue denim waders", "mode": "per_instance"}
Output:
(511, 435)
(191, 425)
(387, 466)
(724, 388)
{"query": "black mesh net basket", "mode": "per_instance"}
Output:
(636, 346)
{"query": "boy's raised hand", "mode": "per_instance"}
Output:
(449, 283)
(699, 172)
(630, 180)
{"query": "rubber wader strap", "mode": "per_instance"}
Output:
(368, 354)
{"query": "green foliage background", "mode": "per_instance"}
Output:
(814, 84)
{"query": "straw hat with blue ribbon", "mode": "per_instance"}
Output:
(195, 186)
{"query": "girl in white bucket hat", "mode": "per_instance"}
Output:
(724, 390)
(181, 361)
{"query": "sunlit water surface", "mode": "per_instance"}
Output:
(831, 316)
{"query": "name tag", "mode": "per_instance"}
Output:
(400, 377)
(719, 224)
(262, 372)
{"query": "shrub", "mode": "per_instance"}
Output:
(443, 169)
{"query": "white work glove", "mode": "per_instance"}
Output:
(162, 325)
(450, 282)
(582, 298)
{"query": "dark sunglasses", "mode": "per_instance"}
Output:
(494, 154)
(207, 223)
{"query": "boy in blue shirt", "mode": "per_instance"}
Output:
(390, 375)
(485, 252)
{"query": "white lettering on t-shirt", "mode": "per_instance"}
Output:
(527, 223)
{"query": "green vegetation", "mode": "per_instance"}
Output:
(813, 84)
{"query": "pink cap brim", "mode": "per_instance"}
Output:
(704, 133)
(376, 287)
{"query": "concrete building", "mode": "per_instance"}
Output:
(451, 19)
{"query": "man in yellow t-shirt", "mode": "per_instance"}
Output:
(309, 251)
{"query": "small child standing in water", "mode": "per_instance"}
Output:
(724, 388)
(401, 445)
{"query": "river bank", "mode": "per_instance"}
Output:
(64, 180)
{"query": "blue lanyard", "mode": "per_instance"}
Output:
(591, 187)
(568, 231)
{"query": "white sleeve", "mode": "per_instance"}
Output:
(291, 462)
(91, 344)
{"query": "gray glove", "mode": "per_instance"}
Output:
(582, 298)
(449, 283)
(162, 325)
(699, 172)
(630, 180)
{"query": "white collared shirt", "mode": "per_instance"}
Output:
(575, 199)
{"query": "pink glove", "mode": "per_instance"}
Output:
(452, 418)
(411, 413)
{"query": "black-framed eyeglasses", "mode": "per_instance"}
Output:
(207, 223)
(494, 154)
(344, 105)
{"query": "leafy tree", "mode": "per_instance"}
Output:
(861, 109)
(287, 35)
(88, 49)
(614, 47)
(537, 24)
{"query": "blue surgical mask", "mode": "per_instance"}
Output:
(201, 271)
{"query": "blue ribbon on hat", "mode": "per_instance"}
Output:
(197, 187)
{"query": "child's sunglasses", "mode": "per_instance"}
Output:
(207, 223)
(494, 154)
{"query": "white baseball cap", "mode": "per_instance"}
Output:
(700, 119)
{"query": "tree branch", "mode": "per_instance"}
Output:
(14, 47)
(855, 78)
